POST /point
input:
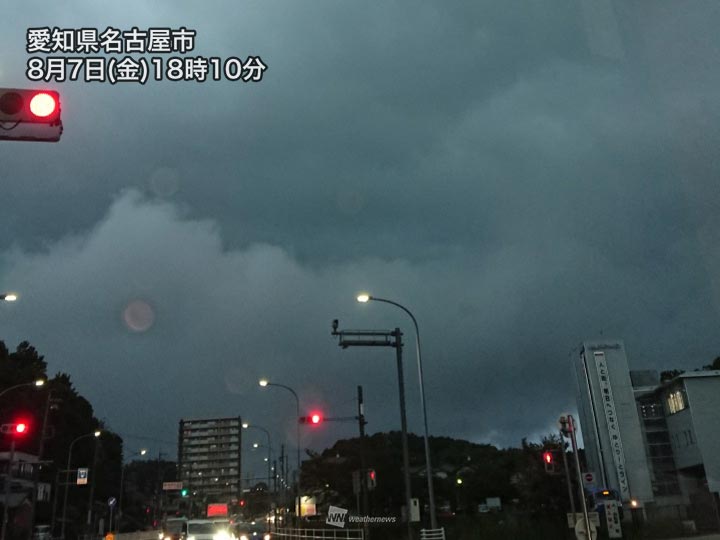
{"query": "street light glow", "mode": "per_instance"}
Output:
(143, 452)
(364, 297)
(39, 382)
(97, 433)
(245, 425)
(256, 445)
(263, 382)
(10, 297)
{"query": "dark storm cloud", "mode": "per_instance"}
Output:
(477, 162)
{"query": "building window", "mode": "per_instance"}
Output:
(676, 402)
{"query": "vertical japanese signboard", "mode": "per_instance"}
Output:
(608, 405)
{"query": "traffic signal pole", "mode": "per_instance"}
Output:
(573, 440)
(8, 481)
(567, 474)
(393, 338)
(36, 470)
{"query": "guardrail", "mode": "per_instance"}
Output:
(326, 534)
(432, 534)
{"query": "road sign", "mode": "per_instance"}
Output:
(588, 478)
(573, 519)
(172, 486)
(612, 516)
(82, 477)
(112, 501)
(581, 532)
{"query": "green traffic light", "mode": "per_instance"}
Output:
(184, 492)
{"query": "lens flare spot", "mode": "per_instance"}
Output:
(164, 182)
(139, 316)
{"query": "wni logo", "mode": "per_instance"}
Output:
(336, 516)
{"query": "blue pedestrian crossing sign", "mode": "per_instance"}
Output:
(82, 477)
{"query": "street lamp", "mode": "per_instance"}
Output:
(246, 425)
(38, 383)
(264, 383)
(364, 298)
(8, 297)
(95, 434)
(142, 452)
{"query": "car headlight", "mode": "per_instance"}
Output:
(266, 537)
(160, 536)
(190, 538)
(221, 535)
(243, 537)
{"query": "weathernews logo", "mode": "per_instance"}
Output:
(336, 516)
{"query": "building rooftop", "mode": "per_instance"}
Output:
(703, 373)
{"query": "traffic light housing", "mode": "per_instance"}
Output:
(184, 492)
(30, 115)
(549, 462)
(19, 428)
(315, 418)
(371, 479)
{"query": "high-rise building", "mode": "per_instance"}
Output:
(654, 442)
(614, 446)
(209, 458)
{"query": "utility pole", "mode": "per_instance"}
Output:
(567, 473)
(36, 469)
(8, 481)
(393, 338)
(570, 427)
(363, 450)
(92, 483)
(363, 459)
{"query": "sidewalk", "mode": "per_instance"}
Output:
(704, 537)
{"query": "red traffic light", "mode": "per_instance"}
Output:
(242, 502)
(18, 428)
(30, 115)
(548, 457)
(315, 418)
(43, 104)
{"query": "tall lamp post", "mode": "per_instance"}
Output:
(95, 434)
(247, 425)
(364, 298)
(264, 383)
(142, 452)
(38, 383)
(8, 297)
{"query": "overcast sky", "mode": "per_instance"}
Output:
(522, 175)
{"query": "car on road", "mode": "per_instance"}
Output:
(209, 529)
(252, 530)
(42, 532)
(174, 529)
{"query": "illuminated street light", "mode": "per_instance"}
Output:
(142, 452)
(9, 297)
(265, 383)
(37, 383)
(364, 298)
(95, 434)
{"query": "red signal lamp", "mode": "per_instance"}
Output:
(315, 418)
(548, 457)
(21, 428)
